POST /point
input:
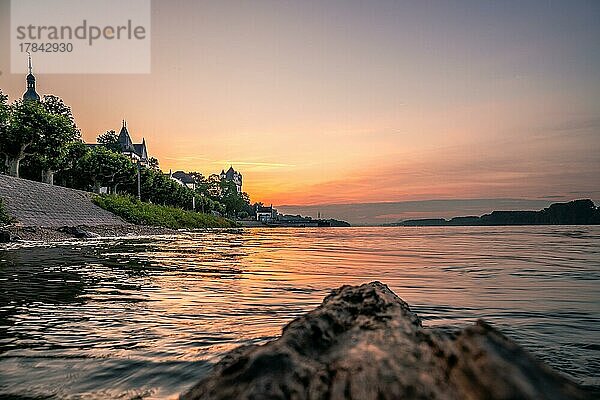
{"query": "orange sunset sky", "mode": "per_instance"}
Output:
(351, 102)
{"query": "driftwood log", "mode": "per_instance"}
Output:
(365, 343)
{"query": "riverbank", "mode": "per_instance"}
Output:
(13, 233)
(36, 211)
(147, 214)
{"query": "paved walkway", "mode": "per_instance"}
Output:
(39, 204)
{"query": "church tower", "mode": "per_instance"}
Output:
(31, 94)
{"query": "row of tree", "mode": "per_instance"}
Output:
(40, 141)
(39, 132)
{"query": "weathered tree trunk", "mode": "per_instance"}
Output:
(364, 343)
(48, 176)
(13, 166)
(13, 163)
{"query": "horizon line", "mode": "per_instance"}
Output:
(556, 200)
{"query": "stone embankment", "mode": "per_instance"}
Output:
(43, 212)
(365, 343)
(36, 204)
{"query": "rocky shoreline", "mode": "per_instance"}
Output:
(364, 342)
(15, 233)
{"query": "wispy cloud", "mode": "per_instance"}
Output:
(186, 158)
(253, 163)
(576, 125)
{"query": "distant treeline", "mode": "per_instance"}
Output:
(577, 212)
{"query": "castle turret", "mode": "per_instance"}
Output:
(233, 176)
(124, 138)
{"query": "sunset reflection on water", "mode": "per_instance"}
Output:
(147, 316)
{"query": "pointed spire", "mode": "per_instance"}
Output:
(30, 94)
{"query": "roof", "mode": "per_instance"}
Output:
(127, 145)
(231, 174)
(124, 138)
(263, 209)
(183, 177)
(140, 150)
(31, 94)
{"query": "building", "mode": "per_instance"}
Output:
(233, 176)
(266, 214)
(183, 178)
(135, 151)
(31, 94)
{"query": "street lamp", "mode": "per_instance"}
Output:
(139, 181)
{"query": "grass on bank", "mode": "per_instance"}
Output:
(141, 213)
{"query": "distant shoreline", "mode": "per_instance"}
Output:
(331, 223)
(576, 212)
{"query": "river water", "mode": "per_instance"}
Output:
(147, 317)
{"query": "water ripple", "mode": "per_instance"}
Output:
(146, 317)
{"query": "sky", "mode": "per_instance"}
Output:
(343, 102)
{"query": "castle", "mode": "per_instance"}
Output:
(135, 151)
(233, 176)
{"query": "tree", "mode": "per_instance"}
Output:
(27, 122)
(214, 186)
(104, 167)
(71, 175)
(201, 183)
(230, 197)
(36, 129)
(52, 150)
(153, 164)
(158, 188)
(216, 194)
(56, 106)
(110, 140)
(61, 131)
(4, 126)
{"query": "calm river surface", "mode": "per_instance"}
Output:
(120, 318)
